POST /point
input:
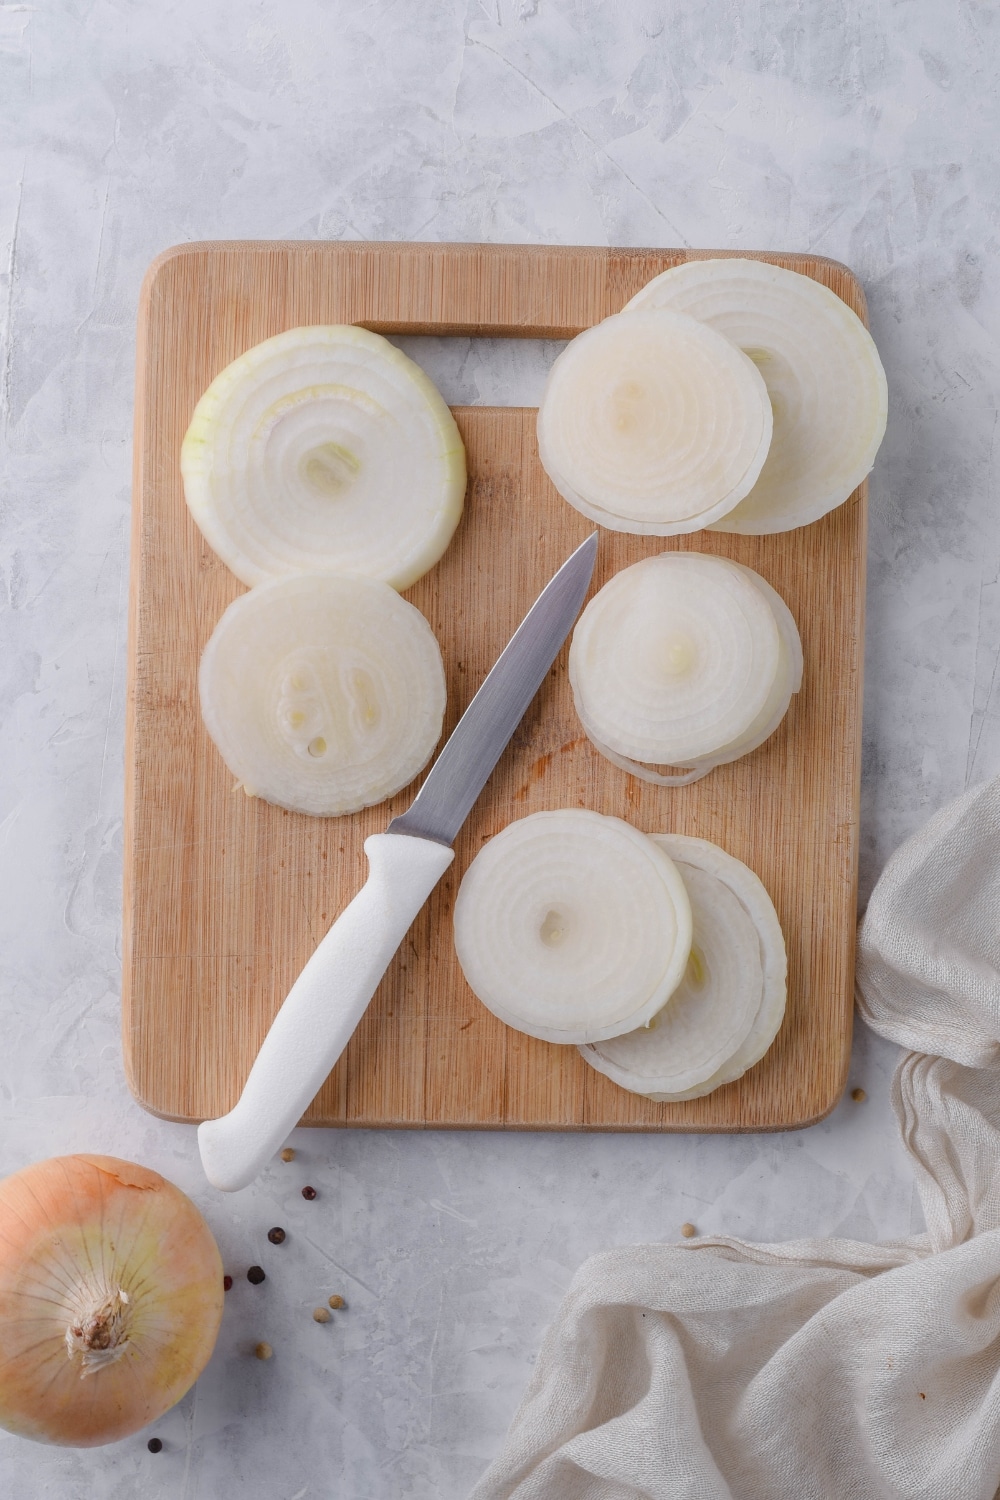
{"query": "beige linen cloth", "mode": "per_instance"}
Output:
(819, 1369)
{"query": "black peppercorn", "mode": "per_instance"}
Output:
(255, 1275)
(309, 1192)
(154, 1445)
(276, 1235)
(227, 1282)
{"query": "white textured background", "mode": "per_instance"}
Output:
(866, 132)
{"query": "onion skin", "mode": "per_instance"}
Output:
(110, 1299)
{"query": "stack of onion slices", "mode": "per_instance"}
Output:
(323, 695)
(569, 921)
(324, 449)
(727, 1009)
(653, 423)
(825, 381)
(683, 660)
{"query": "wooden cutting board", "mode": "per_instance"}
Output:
(226, 896)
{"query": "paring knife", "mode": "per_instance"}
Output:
(405, 863)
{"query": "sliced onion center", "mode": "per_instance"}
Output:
(674, 654)
(330, 468)
(556, 928)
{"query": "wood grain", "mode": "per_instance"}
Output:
(226, 897)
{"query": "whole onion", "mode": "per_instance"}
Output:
(110, 1299)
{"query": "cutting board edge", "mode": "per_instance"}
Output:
(513, 252)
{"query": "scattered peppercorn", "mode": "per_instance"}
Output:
(276, 1235)
(859, 1096)
(321, 1315)
(336, 1301)
(309, 1192)
(255, 1275)
(227, 1283)
(288, 1154)
(154, 1445)
(688, 1231)
(263, 1351)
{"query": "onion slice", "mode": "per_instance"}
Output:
(323, 695)
(823, 374)
(572, 926)
(704, 1036)
(324, 450)
(683, 660)
(653, 423)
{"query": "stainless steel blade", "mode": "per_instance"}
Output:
(478, 739)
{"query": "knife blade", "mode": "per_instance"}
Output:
(326, 1002)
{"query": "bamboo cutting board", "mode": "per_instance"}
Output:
(226, 897)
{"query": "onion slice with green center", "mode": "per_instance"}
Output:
(572, 926)
(823, 374)
(653, 423)
(737, 949)
(324, 450)
(683, 660)
(323, 695)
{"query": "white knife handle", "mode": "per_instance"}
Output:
(323, 1007)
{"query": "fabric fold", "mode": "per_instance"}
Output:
(720, 1370)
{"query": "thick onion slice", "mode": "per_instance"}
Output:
(737, 950)
(324, 450)
(823, 375)
(572, 926)
(683, 660)
(653, 423)
(323, 695)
